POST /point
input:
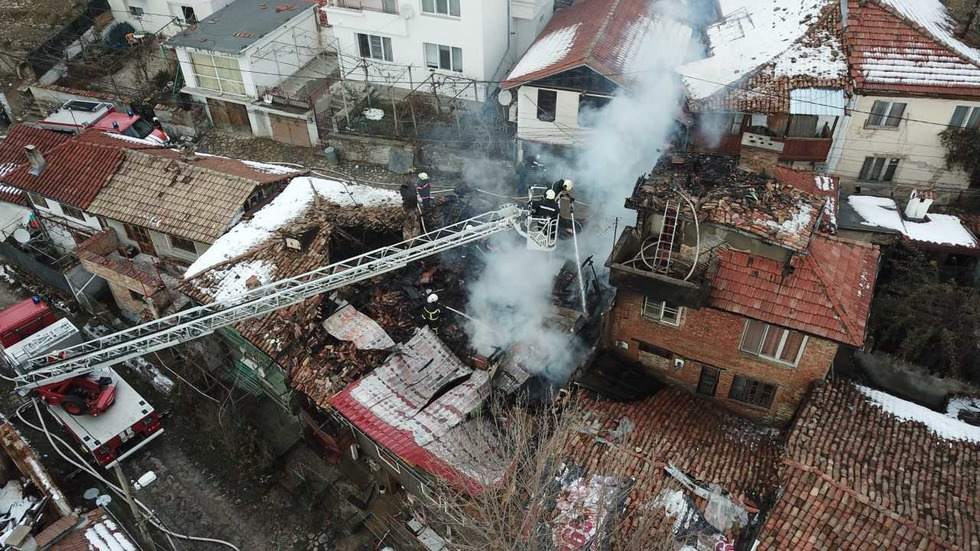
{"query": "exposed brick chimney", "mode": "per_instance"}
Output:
(37, 160)
(760, 154)
(253, 282)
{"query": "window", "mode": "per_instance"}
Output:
(218, 73)
(72, 212)
(443, 57)
(708, 381)
(547, 102)
(886, 114)
(723, 123)
(802, 126)
(389, 459)
(661, 311)
(374, 47)
(773, 343)
(442, 7)
(135, 296)
(878, 169)
(751, 391)
(182, 244)
(136, 11)
(965, 116)
(588, 107)
(39, 201)
(188, 13)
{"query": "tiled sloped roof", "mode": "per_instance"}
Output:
(814, 60)
(907, 46)
(12, 154)
(672, 426)
(76, 170)
(820, 185)
(858, 477)
(827, 293)
(194, 199)
(94, 530)
(609, 36)
(404, 406)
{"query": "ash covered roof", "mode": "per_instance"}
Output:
(762, 51)
(772, 210)
(635, 441)
(418, 404)
(865, 470)
(235, 27)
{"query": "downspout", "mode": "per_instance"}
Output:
(504, 58)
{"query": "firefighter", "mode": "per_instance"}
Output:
(431, 311)
(423, 188)
(410, 198)
(546, 207)
(563, 188)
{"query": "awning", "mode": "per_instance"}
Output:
(817, 101)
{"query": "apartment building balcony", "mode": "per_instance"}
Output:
(794, 149)
(367, 16)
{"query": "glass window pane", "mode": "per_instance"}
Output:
(442, 6)
(974, 121)
(876, 171)
(457, 60)
(866, 168)
(454, 8)
(878, 111)
(432, 56)
(770, 345)
(791, 348)
(895, 115)
(959, 115)
(364, 45)
(890, 171)
(428, 6)
(754, 331)
(233, 87)
(376, 50)
(387, 44)
(445, 61)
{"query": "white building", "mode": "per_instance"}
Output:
(581, 58)
(464, 45)
(257, 67)
(163, 17)
(912, 80)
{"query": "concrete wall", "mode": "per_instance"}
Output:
(61, 236)
(910, 381)
(375, 150)
(480, 32)
(161, 243)
(565, 129)
(916, 143)
(158, 14)
(712, 337)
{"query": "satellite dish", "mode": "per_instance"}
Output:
(22, 235)
(505, 97)
(407, 11)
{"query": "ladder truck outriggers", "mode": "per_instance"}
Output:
(93, 360)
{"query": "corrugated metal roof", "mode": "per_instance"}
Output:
(817, 101)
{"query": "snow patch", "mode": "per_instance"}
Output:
(103, 537)
(675, 505)
(944, 229)
(963, 404)
(231, 280)
(374, 114)
(287, 206)
(938, 423)
(639, 37)
(131, 139)
(267, 167)
(934, 18)
(546, 51)
(13, 503)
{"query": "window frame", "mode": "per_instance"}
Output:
(70, 211)
(455, 57)
(434, 10)
(135, 295)
(779, 348)
(239, 85)
(540, 110)
(383, 455)
(387, 53)
(134, 9)
(879, 169)
(173, 244)
(661, 309)
(714, 386)
(39, 201)
(745, 398)
(590, 103)
(969, 120)
(883, 118)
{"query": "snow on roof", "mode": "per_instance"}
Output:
(755, 32)
(938, 423)
(131, 139)
(292, 202)
(106, 536)
(546, 51)
(943, 229)
(231, 280)
(268, 168)
(933, 16)
(963, 405)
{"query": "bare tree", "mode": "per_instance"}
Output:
(545, 502)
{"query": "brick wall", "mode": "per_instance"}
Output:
(709, 336)
(758, 160)
(122, 277)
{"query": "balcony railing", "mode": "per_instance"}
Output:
(383, 6)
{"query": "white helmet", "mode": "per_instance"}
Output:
(568, 185)
(432, 298)
(423, 175)
(550, 195)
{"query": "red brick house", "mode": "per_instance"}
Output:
(746, 301)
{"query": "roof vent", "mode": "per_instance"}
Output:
(38, 162)
(919, 203)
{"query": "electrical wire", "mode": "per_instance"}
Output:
(83, 466)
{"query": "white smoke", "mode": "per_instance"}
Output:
(512, 297)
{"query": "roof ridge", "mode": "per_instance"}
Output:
(828, 287)
(602, 29)
(919, 28)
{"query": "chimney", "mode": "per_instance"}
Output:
(759, 155)
(37, 160)
(919, 203)
(253, 282)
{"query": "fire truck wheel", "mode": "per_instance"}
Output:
(74, 405)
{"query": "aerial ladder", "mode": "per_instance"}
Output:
(85, 358)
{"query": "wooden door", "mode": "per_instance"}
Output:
(229, 116)
(288, 130)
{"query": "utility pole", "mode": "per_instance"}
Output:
(128, 493)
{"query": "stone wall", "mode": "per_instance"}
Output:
(178, 122)
(123, 278)
(377, 150)
(712, 337)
